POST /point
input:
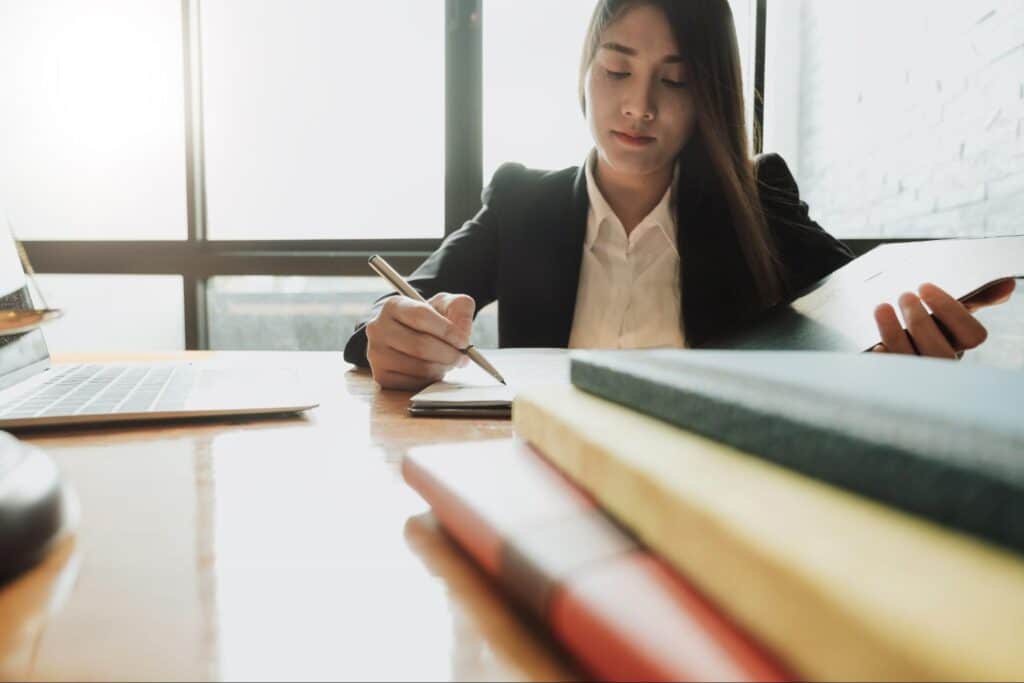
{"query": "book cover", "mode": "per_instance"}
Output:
(621, 612)
(838, 586)
(940, 439)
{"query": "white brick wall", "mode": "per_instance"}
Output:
(902, 118)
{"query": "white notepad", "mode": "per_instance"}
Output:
(471, 391)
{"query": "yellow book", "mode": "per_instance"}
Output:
(839, 586)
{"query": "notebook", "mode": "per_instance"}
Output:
(471, 392)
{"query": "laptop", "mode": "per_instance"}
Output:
(34, 392)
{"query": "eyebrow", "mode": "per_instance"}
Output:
(618, 47)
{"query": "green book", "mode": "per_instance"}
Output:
(936, 438)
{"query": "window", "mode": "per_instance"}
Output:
(91, 127)
(531, 108)
(303, 313)
(323, 119)
(138, 313)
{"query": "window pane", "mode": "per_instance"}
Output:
(302, 313)
(91, 121)
(531, 108)
(531, 104)
(900, 119)
(324, 119)
(114, 312)
(743, 14)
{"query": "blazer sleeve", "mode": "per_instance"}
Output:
(807, 252)
(465, 263)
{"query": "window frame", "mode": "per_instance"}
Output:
(197, 259)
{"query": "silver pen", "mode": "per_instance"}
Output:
(384, 269)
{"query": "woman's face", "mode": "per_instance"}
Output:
(639, 105)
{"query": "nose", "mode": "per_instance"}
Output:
(639, 103)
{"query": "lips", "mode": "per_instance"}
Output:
(632, 140)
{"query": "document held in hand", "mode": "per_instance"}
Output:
(837, 313)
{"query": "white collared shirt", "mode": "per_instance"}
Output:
(628, 294)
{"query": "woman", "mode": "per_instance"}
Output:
(669, 235)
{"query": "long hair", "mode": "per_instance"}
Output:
(717, 154)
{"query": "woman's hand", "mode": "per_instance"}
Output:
(950, 330)
(411, 344)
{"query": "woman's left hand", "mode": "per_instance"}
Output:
(950, 330)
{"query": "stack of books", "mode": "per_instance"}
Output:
(700, 515)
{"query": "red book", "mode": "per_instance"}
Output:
(617, 608)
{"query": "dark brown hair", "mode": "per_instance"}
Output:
(717, 154)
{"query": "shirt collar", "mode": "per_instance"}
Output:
(662, 215)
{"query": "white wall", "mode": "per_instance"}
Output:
(901, 119)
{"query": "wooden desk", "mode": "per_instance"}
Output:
(255, 549)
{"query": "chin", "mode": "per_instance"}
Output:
(636, 163)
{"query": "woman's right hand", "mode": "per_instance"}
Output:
(411, 344)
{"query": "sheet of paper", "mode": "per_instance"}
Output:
(472, 387)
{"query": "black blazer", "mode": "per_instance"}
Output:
(525, 246)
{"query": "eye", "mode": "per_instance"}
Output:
(674, 84)
(616, 75)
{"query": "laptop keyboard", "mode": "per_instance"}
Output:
(106, 389)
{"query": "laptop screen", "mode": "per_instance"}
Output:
(25, 354)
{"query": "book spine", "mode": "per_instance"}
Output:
(884, 457)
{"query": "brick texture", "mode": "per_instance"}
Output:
(909, 116)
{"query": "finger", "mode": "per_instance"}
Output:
(454, 305)
(894, 339)
(922, 330)
(879, 348)
(425, 318)
(963, 330)
(389, 379)
(400, 382)
(386, 358)
(990, 296)
(458, 308)
(410, 342)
